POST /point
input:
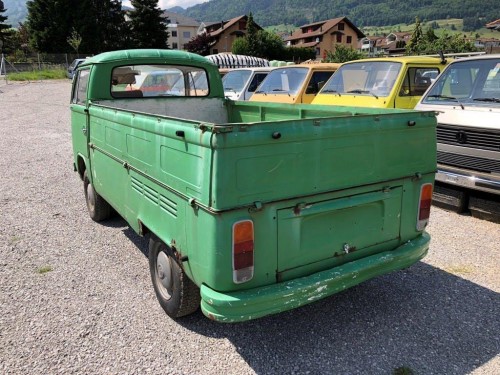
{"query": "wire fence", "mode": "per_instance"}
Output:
(36, 62)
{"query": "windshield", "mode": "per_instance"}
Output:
(363, 78)
(235, 80)
(283, 81)
(473, 82)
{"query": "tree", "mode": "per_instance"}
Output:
(74, 40)
(412, 48)
(5, 32)
(252, 38)
(200, 44)
(148, 25)
(100, 24)
(342, 54)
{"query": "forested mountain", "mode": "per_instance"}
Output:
(300, 12)
(361, 12)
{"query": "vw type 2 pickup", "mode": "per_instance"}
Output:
(252, 208)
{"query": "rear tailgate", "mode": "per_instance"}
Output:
(320, 234)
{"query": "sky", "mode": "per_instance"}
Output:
(165, 4)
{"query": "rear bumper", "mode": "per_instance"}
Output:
(468, 179)
(272, 299)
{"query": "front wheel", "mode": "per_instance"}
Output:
(177, 294)
(98, 208)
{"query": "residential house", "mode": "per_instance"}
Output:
(371, 45)
(495, 25)
(323, 36)
(181, 28)
(224, 33)
(489, 45)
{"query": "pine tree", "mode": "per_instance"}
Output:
(4, 28)
(417, 37)
(252, 38)
(148, 25)
(50, 23)
(100, 23)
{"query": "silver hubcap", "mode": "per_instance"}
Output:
(90, 196)
(164, 274)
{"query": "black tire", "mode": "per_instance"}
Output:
(177, 294)
(98, 208)
(449, 198)
(485, 207)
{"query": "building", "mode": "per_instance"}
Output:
(325, 35)
(392, 44)
(495, 25)
(224, 33)
(181, 28)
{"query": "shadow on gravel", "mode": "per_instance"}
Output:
(423, 318)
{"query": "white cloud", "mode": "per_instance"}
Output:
(164, 4)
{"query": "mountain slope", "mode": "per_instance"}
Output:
(361, 12)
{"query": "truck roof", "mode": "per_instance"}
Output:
(402, 59)
(160, 54)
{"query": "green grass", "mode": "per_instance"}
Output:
(403, 371)
(446, 24)
(44, 269)
(37, 75)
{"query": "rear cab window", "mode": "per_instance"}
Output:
(137, 81)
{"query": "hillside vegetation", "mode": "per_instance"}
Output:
(361, 12)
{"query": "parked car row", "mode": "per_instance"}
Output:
(465, 93)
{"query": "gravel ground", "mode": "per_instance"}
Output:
(94, 310)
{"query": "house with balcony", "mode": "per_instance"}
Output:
(181, 28)
(224, 33)
(391, 44)
(323, 36)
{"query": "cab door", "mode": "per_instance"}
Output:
(314, 84)
(79, 115)
(415, 82)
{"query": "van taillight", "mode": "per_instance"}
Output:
(243, 241)
(424, 207)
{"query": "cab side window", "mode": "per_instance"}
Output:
(80, 88)
(417, 80)
(317, 81)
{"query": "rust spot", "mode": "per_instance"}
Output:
(210, 316)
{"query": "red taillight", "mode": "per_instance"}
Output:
(243, 239)
(424, 207)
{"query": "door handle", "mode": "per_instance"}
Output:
(84, 130)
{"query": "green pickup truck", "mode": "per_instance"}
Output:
(252, 208)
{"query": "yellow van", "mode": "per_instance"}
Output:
(386, 82)
(294, 83)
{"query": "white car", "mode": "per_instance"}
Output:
(240, 84)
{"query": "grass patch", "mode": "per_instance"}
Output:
(403, 371)
(44, 269)
(459, 270)
(37, 75)
(14, 239)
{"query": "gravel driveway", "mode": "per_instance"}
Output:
(76, 296)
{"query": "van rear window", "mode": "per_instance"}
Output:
(138, 81)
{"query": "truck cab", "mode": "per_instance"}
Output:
(466, 98)
(294, 83)
(240, 84)
(393, 82)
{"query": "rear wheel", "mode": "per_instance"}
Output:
(177, 294)
(98, 208)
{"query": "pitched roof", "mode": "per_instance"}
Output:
(180, 19)
(495, 25)
(219, 27)
(323, 27)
